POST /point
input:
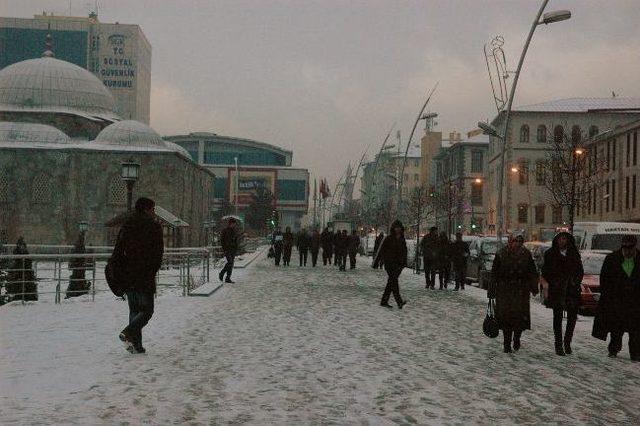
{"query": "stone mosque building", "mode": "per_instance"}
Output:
(62, 145)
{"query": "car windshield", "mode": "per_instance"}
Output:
(592, 264)
(606, 242)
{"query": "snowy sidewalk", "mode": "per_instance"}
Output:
(304, 346)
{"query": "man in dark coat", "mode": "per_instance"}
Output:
(443, 260)
(376, 247)
(140, 241)
(326, 239)
(393, 251)
(429, 249)
(229, 243)
(459, 254)
(342, 248)
(315, 247)
(619, 304)
(302, 245)
(562, 270)
(515, 276)
(287, 245)
(277, 242)
(352, 246)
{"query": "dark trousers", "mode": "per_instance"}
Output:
(392, 286)
(615, 344)
(278, 255)
(510, 335)
(326, 256)
(460, 275)
(314, 257)
(286, 256)
(572, 317)
(342, 261)
(429, 273)
(228, 267)
(303, 257)
(140, 312)
(352, 260)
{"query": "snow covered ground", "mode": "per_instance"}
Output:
(303, 346)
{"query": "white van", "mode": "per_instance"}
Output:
(603, 236)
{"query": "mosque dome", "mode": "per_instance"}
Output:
(31, 132)
(177, 148)
(130, 133)
(50, 85)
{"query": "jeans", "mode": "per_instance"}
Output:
(228, 267)
(140, 312)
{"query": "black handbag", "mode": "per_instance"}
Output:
(490, 326)
(114, 270)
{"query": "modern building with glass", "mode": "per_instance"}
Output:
(259, 165)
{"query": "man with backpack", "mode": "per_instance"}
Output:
(140, 248)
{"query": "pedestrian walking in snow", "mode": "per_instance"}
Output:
(619, 304)
(342, 248)
(141, 244)
(314, 247)
(393, 251)
(229, 243)
(459, 251)
(277, 243)
(562, 270)
(302, 245)
(336, 249)
(326, 239)
(352, 246)
(287, 245)
(429, 249)
(515, 277)
(443, 260)
(376, 247)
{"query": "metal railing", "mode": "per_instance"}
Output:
(58, 275)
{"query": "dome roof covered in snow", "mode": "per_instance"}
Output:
(51, 85)
(130, 133)
(177, 148)
(31, 132)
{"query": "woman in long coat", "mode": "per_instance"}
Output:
(515, 276)
(562, 270)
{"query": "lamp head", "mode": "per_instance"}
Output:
(555, 16)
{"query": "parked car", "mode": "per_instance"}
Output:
(590, 295)
(482, 251)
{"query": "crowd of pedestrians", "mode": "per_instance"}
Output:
(138, 253)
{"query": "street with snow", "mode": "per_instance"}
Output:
(303, 346)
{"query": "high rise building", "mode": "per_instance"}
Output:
(118, 54)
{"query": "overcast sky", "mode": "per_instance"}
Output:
(328, 78)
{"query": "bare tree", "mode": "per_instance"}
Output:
(571, 172)
(447, 201)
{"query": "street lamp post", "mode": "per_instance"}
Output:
(130, 173)
(548, 18)
(575, 153)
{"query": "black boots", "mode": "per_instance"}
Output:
(567, 347)
(558, 344)
(507, 334)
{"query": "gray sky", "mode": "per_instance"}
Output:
(328, 78)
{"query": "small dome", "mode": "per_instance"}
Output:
(130, 133)
(49, 84)
(31, 132)
(177, 148)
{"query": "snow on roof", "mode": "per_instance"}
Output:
(130, 133)
(18, 132)
(582, 105)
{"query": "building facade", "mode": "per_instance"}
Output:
(259, 165)
(528, 204)
(615, 196)
(457, 191)
(118, 54)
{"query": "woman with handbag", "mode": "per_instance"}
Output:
(562, 270)
(515, 276)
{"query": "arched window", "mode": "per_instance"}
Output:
(593, 130)
(541, 134)
(116, 191)
(42, 189)
(4, 188)
(576, 134)
(524, 134)
(558, 135)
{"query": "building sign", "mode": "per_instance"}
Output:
(117, 68)
(248, 183)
